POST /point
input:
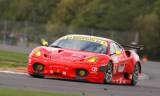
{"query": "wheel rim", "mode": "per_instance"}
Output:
(108, 74)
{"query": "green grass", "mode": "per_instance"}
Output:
(13, 59)
(16, 92)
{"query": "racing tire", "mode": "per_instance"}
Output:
(108, 73)
(135, 75)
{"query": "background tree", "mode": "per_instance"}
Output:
(141, 16)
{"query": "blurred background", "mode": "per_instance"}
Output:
(24, 22)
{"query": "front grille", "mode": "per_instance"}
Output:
(56, 73)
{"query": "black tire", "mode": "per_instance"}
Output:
(108, 73)
(135, 75)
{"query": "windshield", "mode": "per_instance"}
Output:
(80, 45)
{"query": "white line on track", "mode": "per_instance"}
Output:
(12, 72)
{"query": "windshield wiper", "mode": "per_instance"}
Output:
(55, 46)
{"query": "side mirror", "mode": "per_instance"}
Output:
(118, 52)
(44, 42)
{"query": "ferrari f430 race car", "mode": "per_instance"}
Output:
(87, 58)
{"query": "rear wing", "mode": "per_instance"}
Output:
(137, 47)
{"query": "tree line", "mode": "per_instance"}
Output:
(141, 16)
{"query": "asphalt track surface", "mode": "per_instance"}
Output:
(147, 87)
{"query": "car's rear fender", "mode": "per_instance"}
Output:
(133, 59)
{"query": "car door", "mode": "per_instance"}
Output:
(122, 58)
(116, 53)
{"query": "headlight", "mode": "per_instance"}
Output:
(37, 53)
(93, 59)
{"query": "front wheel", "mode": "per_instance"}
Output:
(135, 75)
(109, 73)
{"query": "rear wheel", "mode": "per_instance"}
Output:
(135, 75)
(109, 73)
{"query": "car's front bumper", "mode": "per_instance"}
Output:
(66, 70)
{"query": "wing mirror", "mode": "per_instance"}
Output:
(118, 52)
(44, 42)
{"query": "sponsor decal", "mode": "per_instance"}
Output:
(90, 39)
(121, 67)
(51, 71)
(64, 73)
(94, 69)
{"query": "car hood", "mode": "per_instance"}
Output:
(68, 55)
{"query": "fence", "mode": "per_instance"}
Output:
(29, 34)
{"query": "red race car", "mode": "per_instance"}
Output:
(87, 58)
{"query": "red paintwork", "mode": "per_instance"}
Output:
(66, 61)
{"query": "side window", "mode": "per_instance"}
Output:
(117, 46)
(112, 49)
